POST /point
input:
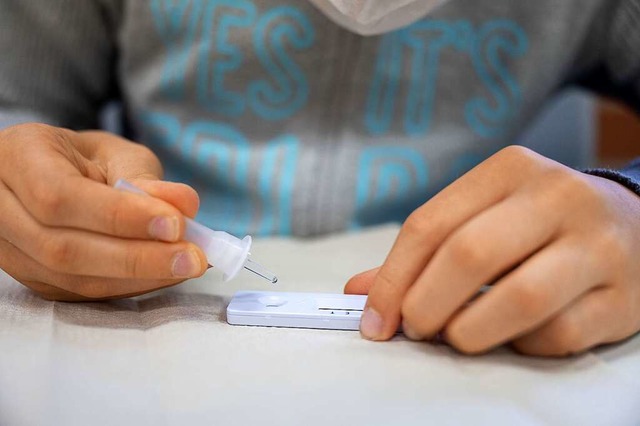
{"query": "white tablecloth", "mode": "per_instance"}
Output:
(169, 358)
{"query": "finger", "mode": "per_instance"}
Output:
(361, 283)
(53, 185)
(52, 285)
(51, 293)
(96, 289)
(475, 255)
(179, 195)
(77, 202)
(426, 229)
(82, 253)
(26, 271)
(590, 321)
(15, 263)
(526, 298)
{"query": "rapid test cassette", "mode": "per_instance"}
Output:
(296, 310)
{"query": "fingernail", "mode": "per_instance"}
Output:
(408, 331)
(164, 228)
(186, 264)
(371, 324)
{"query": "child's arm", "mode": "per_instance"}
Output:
(64, 231)
(68, 234)
(559, 246)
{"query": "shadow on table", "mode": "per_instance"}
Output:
(145, 312)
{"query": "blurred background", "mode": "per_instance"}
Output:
(582, 130)
(618, 137)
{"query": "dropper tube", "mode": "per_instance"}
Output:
(260, 270)
(224, 251)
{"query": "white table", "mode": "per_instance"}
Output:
(169, 358)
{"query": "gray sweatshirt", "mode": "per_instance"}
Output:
(285, 122)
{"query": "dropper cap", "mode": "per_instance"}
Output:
(224, 251)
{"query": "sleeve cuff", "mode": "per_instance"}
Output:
(628, 177)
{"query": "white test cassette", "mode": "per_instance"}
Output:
(296, 310)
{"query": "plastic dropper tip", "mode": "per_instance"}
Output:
(260, 270)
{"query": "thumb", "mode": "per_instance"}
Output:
(361, 283)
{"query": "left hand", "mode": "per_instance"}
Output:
(559, 247)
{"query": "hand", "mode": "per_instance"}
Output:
(559, 247)
(68, 235)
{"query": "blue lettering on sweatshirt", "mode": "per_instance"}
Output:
(202, 65)
(207, 27)
(419, 48)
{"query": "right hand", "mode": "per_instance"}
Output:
(66, 233)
